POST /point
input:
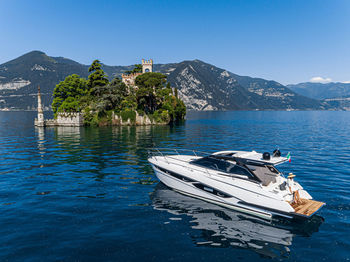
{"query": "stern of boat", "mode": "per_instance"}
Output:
(306, 207)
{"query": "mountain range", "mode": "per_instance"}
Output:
(322, 91)
(202, 86)
(335, 94)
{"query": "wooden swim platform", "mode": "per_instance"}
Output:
(306, 207)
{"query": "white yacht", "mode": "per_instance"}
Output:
(248, 182)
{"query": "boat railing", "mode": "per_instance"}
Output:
(169, 153)
(163, 151)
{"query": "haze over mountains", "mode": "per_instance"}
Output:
(202, 86)
(322, 91)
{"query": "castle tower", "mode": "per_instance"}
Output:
(147, 66)
(40, 120)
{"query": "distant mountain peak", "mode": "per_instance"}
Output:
(35, 52)
(198, 61)
(31, 57)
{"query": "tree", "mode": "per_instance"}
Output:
(97, 78)
(149, 84)
(69, 105)
(110, 96)
(155, 95)
(118, 87)
(151, 79)
(73, 87)
(115, 93)
(137, 69)
(180, 110)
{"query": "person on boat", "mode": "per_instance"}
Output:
(292, 189)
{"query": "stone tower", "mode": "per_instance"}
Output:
(147, 66)
(40, 120)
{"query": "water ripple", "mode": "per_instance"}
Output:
(89, 193)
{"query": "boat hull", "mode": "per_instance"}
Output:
(187, 188)
(190, 190)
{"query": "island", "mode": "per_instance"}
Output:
(140, 97)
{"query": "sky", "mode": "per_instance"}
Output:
(289, 41)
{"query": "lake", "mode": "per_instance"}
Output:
(88, 194)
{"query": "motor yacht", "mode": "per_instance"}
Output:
(245, 181)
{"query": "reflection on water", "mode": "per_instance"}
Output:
(70, 132)
(104, 151)
(83, 193)
(221, 227)
(40, 131)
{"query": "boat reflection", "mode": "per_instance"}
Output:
(221, 227)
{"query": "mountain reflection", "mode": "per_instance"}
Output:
(222, 227)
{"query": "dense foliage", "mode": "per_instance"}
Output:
(97, 78)
(98, 98)
(67, 94)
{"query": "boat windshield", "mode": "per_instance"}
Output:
(266, 173)
(223, 166)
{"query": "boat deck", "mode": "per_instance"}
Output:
(306, 207)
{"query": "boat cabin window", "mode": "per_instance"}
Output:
(223, 166)
(266, 173)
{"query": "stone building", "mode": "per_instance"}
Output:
(147, 66)
(63, 118)
(129, 79)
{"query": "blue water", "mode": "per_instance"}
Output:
(88, 194)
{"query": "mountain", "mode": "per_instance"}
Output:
(202, 86)
(19, 78)
(339, 103)
(322, 91)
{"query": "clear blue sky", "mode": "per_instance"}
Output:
(287, 41)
